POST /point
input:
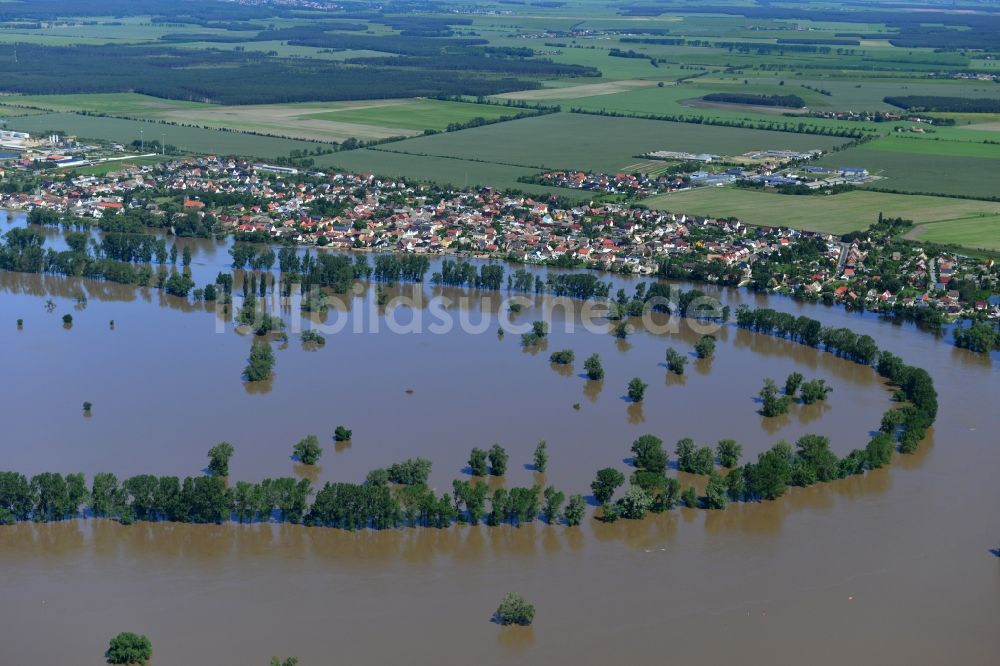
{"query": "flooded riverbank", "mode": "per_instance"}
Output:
(895, 564)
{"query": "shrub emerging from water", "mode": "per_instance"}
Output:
(311, 337)
(129, 648)
(563, 357)
(67, 319)
(515, 610)
(341, 434)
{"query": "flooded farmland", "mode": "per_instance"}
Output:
(894, 566)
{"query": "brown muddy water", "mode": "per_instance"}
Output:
(893, 567)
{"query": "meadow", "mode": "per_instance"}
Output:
(835, 214)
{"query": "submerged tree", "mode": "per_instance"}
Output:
(477, 462)
(814, 391)
(593, 367)
(541, 459)
(772, 403)
(729, 452)
(675, 361)
(498, 460)
(515, 610)
(261, 363)
(308, 450)
(218, 458)
(636, 389)
(575, 509)
(342, 434)
(129, 648)
(607, 482)
(792, 383)
(705, 348)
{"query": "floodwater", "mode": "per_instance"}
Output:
(892, 567)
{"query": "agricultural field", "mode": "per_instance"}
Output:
(314, 121)
(981, 232)
(459, 173)
(188, 139)
(600, 143)
(926, 165)
(836, 214)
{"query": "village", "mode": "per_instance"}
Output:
(361, 212)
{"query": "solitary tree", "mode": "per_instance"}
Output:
(308, 450)
(636, 389)
(541, 456)
(607, 482)
(129, 648)
(291, 661)
(342, 434)
(498, 460)
(218, 458)
(592, 365)
(87, 407)
(67, 319)
(515, 610)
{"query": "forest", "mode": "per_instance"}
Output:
(945, 104)
(222, 76)
(791, 101)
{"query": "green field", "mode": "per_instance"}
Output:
(979, 232)
(924, 165)
(575, 141)
(835, 214)
(414, 114)
(458, 173)
(315, 121)
(190, 139)
(114, 104)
